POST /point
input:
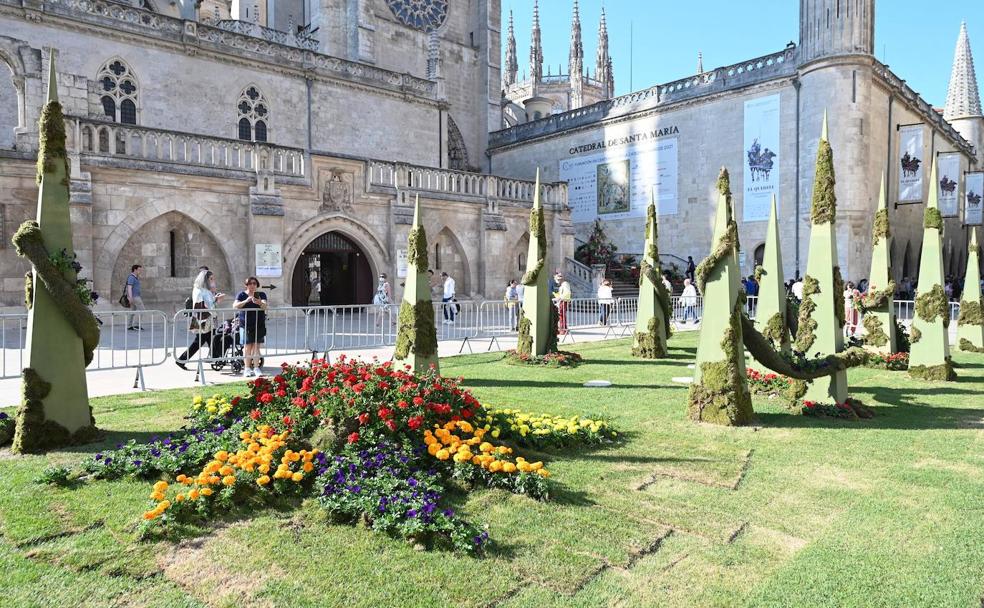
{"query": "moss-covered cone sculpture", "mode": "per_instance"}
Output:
(61, 331)
(653, 318)
(820, 330)
(970, 323)
(929, 355)
(719, 393)
(537, 323)
(878, 304)
(770, 312)
(416, 337)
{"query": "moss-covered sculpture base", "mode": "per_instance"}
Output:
(775, 330)
(35, 434)
(721, 396)
(416, 332)
(524, 344)
(806, 325)
(970, 314)
(649, 344)
(874, 331)
(934, 373)
(970, 347)
(933, 304)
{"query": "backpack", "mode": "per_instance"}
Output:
(189, 303)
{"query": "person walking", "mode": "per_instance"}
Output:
(691, 269)
(382, 299)
(252, 305)
(136, 301)
(512, 304)
(605, 300)
(562, 299)
(667, 284)
(448, 298)
(204, 297)
(689, 301)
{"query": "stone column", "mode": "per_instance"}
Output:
(265, 227)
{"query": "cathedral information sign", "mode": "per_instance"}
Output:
(761, 157)
(949, 171)
(911, 164)
(614, 181)
(268, 262)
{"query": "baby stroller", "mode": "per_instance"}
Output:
(227, 344)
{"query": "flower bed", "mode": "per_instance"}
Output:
(371, 443)
(893, 362)
(851, 409)
(560, 358)
(766, 383)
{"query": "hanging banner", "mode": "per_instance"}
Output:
(911, 164)
(949, 174)
(761, 157)
(617, 181)
(974, 184)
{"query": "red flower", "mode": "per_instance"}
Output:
(288, 421)
(266, 398)
(235, 401)
(363, 418)
(316, 412)
(418, 400)
(466, 413)
(353, 437)
(391, 424)
(299, 402)
(357, 388)
(415, 422)
(384, 412)
(402, 404)
(255, 414)
(281, 393)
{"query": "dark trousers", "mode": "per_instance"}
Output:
(605, 310)
(199, 341)
(448, 309)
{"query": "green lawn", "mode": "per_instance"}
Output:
(793, 512)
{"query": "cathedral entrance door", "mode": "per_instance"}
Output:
(332, 271)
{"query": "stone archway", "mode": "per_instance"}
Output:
(447, 255)
(357, 233)
(333, 270)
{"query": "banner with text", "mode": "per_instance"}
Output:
(911, 164)
(949, 175)
(761, 157)
(616, 183)
(974, 184)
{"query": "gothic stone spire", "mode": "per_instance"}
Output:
(963, 97)
(575, 67)
(603, 65)
(536, 49)
(700, 62)
(512, 64)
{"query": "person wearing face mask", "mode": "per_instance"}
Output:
(204, 298)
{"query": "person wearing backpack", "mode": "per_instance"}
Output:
(202, 300)
(133, 296)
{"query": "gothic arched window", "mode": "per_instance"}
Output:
(118, 90)
(254, 115)
(425, 15)
(457, 152)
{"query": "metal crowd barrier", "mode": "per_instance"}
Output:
(13, 338)
(338, 328)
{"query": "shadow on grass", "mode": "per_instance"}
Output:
(886, 417)
(505, 383)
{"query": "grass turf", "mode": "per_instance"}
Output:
(792, 512)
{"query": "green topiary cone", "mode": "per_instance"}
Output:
(879, 303)
(653, 317)
(416, 337)
(537, 326)
(970, 324)
(770, 312)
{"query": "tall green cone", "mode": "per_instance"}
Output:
(929, 353)
(653, 317)
(719, 393)
(820, 329)
(61, 331)
(770, 311)
(970, 324)
(879, 303)
(416, 337)
(537, 323)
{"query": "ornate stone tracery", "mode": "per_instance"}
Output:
(424, 15)
(117, 87)
(254, 115)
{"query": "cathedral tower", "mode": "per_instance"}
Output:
(963, 99)
(536, 49)
(836, 27)
(512, 63)
(575, 64)
(603, 67)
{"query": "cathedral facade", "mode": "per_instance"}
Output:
(761, 118)
(282, 138)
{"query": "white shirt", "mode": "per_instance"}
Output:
(689, 296)
(605, 294)
(449, 287)
(798, 290)
(667, 285)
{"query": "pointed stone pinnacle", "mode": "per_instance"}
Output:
(823, 130)
(416, 212)
(933, 202)
(963, 99)
(536, 191)
(52, 79)
(882, 199)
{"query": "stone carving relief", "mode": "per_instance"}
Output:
(337, 191)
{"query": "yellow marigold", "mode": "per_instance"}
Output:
(543, 473)
(536, 466)
(228, 480)
(264, 468)
(297, 476)
(308, 467)
(181, 478)
(197, 399)
(476, 460)
(508, 467)
(150, 515)
(465, 427)
(222, 455)
(495, 433)
(226, 471)
(206, 491)
(495, 466)
(485, 447)
(160, 486)
(523, 467)
(429, 439)
(179, 498)
(214, 479)
(434, 448)
(212, 467)
(164, 505)
(262, 480)
(245, 435)
(157, 495)
(443, 454)
(193, 495)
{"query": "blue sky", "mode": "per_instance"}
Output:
(915, 38)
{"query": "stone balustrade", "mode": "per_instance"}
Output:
(95, 138)
(386, 176)
(248, 28)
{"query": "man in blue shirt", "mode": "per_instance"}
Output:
(133, 293)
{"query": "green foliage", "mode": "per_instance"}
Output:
(30, 244)
(823, 208)
(880, 229)
(775, 330)
(560, 358)
(34, 432)
(51, 141)
(6, 428)
(55, 476)
(932, 304)
(524, 344)
(721, 396)
(29, 289)
(970, 347)
(970, 313)
(416, 332)
(649, 344)
(934, 373)
(599, 249)
(806, 326)
(932, 218)
(915, 335)
(417, 248)
(874, 331)
(727, 245)
(538, 232)
(876, 299)
(902, 344)
(839, 312)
